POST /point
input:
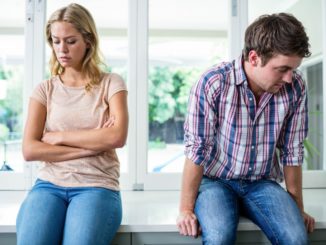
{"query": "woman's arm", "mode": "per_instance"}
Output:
(102, 139)
(36, 150)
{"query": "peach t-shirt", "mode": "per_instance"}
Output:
(72, 108)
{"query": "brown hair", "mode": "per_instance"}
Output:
(83, 21)
(276, 34)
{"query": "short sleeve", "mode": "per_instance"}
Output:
(116, 85)
(39, 93)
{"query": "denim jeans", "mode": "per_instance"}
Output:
(56, 215)
(265, 202)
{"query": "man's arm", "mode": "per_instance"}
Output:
(187, 221)
(293, 182)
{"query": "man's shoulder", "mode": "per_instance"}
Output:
(298, 81)
(218, 72)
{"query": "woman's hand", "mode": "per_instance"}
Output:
(52, 138)
(110, 122)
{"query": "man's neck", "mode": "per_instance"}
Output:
(256, 90)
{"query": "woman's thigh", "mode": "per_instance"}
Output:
(276, 213)
(93, 217)
(217, 212)
(41, 217)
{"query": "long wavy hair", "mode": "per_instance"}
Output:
(83, 21)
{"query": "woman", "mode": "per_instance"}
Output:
(76, 119)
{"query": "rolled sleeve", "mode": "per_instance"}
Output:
(201, 121)
(295, 131)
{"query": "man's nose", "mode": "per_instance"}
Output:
(287, 77)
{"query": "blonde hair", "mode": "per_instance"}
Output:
(83, 21)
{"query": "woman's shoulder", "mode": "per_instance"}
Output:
(112, 77)
(113, 80)
(49, 82)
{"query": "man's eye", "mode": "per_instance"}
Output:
(282, 70)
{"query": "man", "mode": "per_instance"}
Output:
(244, 132)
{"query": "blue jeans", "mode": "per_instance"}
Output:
(52, 214)
(265, 202)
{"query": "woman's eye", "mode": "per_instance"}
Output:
(71, 42)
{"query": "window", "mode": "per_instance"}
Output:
(184, 39)
(12, 52)
(160, 47)
(182, 45)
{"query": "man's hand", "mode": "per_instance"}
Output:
(188, 224)
(309, 222)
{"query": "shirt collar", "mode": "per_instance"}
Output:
(240, 74)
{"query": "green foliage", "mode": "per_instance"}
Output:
(161, 102)
(4, 132)
(11, 106)
(169, 91)
(310, 151)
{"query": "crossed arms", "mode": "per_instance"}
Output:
(67, 145)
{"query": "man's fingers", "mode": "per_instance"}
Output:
(194, 228)
(187, 225)
(309, 222)
(181, 229)
(311, 225)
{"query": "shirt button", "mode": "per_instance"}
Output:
(250, 99)
(252, 147)
(250, 168)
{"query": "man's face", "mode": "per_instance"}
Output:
(274, 74)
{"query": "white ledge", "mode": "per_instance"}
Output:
(155, 211)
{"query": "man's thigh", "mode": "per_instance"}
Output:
(217, 212)
(275, 212)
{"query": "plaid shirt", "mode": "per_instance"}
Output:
(232, 137)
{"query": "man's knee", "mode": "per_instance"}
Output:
(215, 237)
(293, 237)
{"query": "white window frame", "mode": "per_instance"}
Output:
(137, 177)
(34, 57)
(238, 23)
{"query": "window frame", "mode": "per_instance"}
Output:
(137, 177)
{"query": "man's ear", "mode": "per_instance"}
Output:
(253, 58)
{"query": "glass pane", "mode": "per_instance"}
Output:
(112, 29)
(311, 16)
(12, 50)
(185, 38)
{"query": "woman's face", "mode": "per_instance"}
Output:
(68, 45)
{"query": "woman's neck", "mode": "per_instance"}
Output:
(73, 78)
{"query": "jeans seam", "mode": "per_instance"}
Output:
(265, 219)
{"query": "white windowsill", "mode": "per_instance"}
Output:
(155, 211)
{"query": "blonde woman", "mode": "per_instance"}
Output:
(76, 119)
